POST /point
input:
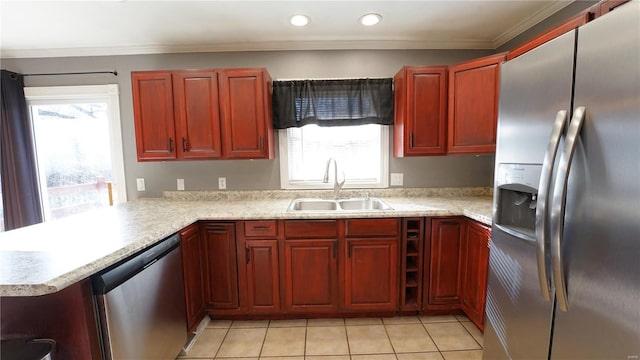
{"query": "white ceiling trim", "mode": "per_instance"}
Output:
(526, 24)
(249, 46)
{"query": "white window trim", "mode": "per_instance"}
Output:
(288, 185)
(110, 93)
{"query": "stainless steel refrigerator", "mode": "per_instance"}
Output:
(564, 272)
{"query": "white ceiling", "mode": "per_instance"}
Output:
(85, 28)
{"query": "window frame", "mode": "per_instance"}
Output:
(109, 93)
(287, 184)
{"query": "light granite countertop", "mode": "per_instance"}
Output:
(46, 258)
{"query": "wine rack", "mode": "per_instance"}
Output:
(412, 242)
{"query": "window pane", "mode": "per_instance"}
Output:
(74, 161)
(357, 150)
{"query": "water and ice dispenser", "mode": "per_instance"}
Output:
(517, 187)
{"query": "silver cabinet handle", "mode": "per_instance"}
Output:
(557, 131)
(558, 207)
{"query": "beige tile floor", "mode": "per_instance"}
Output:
(399, 338)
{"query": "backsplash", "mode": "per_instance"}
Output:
(347, 193)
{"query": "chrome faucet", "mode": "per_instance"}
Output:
(337, 186)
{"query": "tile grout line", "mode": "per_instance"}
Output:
(469, 332)
(264, 340)
(386, 331)
(424, 325)
(226, 333)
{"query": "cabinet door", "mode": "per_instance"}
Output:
(476, 264)
(420, 111)
(371, 279)
(221, 264)
(311, 275)
(153, 115)
(445, 256)
(197, 114)
(246, 113)
(263, 285)
(193, 275)
(473, 105)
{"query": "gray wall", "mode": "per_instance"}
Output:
(265, 174)
(258, 174)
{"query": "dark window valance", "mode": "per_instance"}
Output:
(332, 102)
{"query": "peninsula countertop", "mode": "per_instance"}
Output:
(45, 258)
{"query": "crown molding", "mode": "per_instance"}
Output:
(531, 21)
(248, 46)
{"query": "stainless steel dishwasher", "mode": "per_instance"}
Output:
(140, 305)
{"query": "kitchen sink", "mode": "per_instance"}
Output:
(364, 204)
(313, 205)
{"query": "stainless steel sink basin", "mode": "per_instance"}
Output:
(370, 204)
(313, 205)
(363, 204)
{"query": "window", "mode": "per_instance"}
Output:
(360, 151)
(78, 147)
(343, 119)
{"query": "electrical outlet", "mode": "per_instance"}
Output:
(222, 183)
(140, 184)
(180, 184)
(397, 179)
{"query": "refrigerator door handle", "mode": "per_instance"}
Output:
(558, 207)
(557, 131)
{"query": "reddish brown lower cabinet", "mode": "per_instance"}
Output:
(221, 265)
(371, 281)
(444, 254)
(311, 275)
(263, 285)
(66, 316)
(191, 248)
(474, 271)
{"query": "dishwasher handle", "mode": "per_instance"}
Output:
(115, 275)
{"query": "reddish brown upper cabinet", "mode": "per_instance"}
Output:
(203, 114)
(311, 266)
(197, 114)
(221, 266)
(420, 111)
(473, 105)
(551, 34)
(445, 255)
(474, 271)
(154, 115)
(246, 114)
(371, 266)
(193, 271)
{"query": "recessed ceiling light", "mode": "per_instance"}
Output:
(300, 20)
(370, 19)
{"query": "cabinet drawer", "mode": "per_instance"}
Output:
(372, 227)
(262, 228)
(306, 229)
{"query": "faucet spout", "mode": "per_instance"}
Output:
(337, 186)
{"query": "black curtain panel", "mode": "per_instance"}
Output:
(20, 190)
(332, 102)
